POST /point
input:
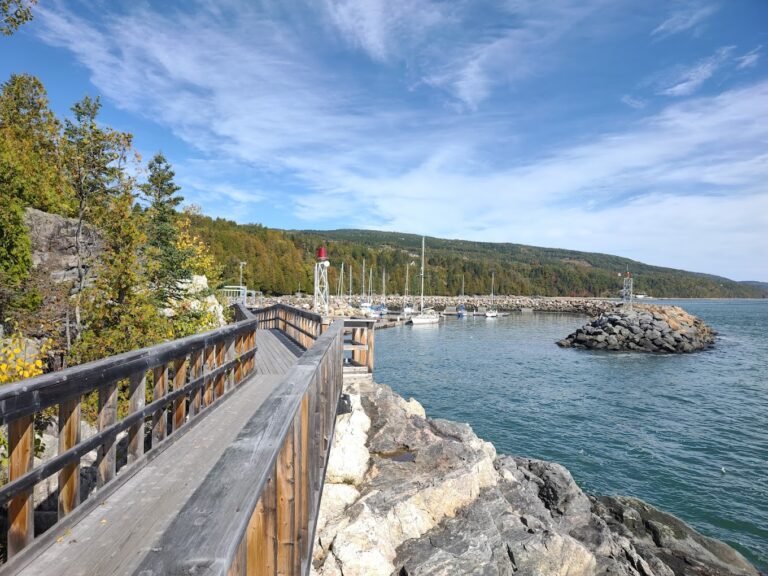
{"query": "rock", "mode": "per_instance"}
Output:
(646, 328)
(438, 500)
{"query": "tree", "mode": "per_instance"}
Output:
(93, 164)
(30, 172)
(14, 13)
(166, 266)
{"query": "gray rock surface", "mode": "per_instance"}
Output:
(429, 504)
(644, 328)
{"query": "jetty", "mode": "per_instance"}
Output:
(209, 454)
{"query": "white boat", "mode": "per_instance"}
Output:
(425, 316)
(492, 312)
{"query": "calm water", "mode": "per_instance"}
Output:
(662, 428)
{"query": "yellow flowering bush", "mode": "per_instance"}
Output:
(19, 360)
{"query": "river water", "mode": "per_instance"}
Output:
(686, 433)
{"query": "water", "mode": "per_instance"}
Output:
(687, 433)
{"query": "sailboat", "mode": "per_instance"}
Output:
(492, 312)
(407, 308)
(365, 303)
(461, 311)
(427, 316)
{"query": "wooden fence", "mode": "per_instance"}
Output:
(186, 377)
(301, 326)
(256, 512)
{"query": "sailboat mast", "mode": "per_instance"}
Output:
(350, 283)
(362, 293)
(493, 277)
(422, 274)
(384, 286)
(370, 285)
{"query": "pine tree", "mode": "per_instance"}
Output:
(166, 266)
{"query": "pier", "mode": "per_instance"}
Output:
(210, 451)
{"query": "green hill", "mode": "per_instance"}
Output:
(280, 262)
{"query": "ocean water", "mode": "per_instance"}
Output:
(686, 433)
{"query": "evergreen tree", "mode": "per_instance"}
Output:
(166, 266)
(14, 13)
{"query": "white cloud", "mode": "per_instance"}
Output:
(251, 92)
(749, 59)
(632, 102)
(691, 79)
(690, 16)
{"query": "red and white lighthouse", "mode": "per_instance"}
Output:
(321, 281)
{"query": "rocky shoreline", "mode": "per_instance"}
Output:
(643, 328)
(408, 495)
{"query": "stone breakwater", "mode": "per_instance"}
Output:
(408, 495)
(644, 328)
(588, 306)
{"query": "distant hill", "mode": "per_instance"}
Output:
(761, 286)
(279, 261)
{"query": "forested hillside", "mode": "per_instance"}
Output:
(280, 262)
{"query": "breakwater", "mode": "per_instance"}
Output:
(666, 329)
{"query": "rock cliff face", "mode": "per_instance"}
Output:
(407, 495)
(665, 329)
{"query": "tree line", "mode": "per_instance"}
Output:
(129, 295)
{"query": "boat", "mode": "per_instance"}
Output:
(425, 315)
(407, 306)
(491, 312)
(461, 311)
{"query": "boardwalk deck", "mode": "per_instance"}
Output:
(117, 534)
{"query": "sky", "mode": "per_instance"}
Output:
(630, 127)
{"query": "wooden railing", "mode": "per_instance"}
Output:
(301, 326)
(186, 376)
(256, 512)
(360, 341)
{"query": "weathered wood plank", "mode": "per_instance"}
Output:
(137, 398)
(107, 451)
(159, 419)
(180, 404)
(69, 437)
(21, 450)
(196, 364)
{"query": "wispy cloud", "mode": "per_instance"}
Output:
(632, 102)
(688, 17)
(255, 93)
(691, 79)
(749, 59)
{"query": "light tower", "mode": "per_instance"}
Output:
(627, 293)
(321, 281)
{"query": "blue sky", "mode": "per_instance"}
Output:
(637, 128)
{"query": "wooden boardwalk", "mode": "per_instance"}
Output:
(116, 535)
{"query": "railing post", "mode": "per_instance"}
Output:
(69, 437)
(210, 364)
(196, 371)
(370, 352)
(261, 534)
(160, 376)
(137, 395)
(285, 506)
(180, 404)
(219, 388)
(21, 450)
(107, 451)
(229, 356)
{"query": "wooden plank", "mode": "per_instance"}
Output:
(229, 356)
(21, 450)
(137, 397)
(196, 363)
(238, 566)
(304, 551)
(35, 394)
(370, 353)
(107, 451)
(209, 366)
(69, 437)
(285, 506)
(180, 404)
(261, 534)
(159, 418)
(218, 389)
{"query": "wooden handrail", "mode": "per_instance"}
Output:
(188, 374)
(301, 326)
(264, 521)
